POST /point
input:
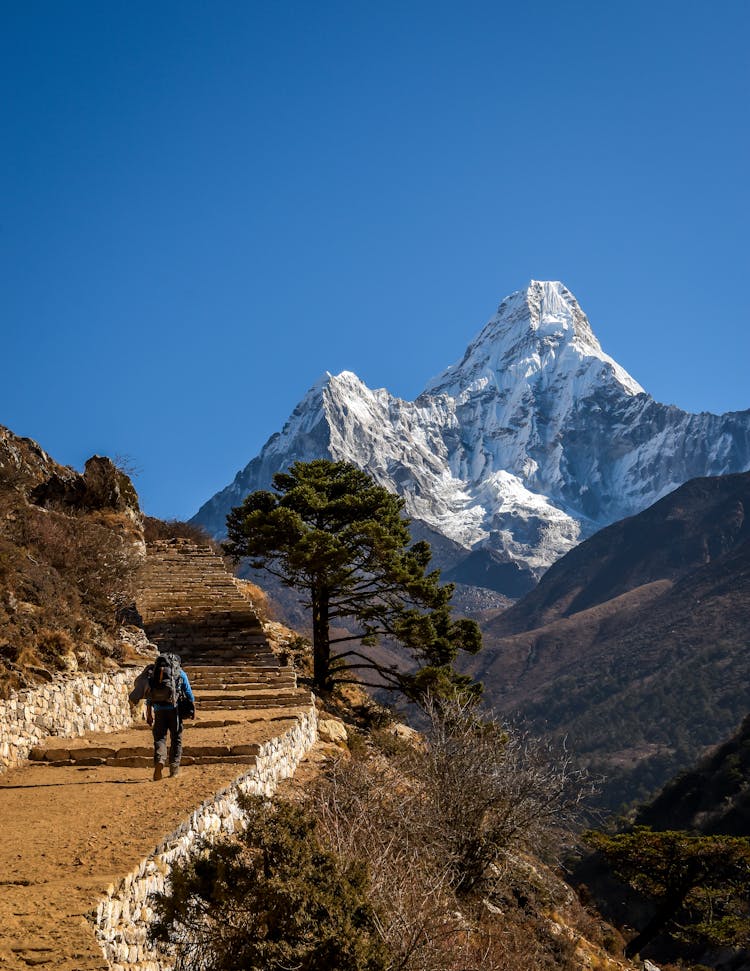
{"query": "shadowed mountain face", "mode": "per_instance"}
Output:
(636, 645)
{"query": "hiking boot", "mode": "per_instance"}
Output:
(174, 770)
(158, 770)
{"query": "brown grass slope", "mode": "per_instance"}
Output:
(635, 644)
(689, 528)
(69, 546)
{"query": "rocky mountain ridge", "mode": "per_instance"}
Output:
(533, 441)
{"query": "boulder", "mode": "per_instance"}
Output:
(332, 730)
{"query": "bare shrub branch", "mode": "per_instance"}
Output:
(440, 827)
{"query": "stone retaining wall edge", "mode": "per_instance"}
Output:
(122, 918)
(69, 706)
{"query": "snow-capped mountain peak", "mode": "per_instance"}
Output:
(532, 441)
(540, 330)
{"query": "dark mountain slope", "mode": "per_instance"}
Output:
(714, 797)
(711, 798)
(690, 527)
(644, 681)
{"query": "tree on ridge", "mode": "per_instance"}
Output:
(330, 531)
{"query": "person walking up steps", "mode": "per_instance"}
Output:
(169, 700)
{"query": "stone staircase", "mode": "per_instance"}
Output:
(191, 605)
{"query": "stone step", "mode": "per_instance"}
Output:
(201, 692)
(280, 679)
(240, 666)
(193, 587)
(241, 683)
(268, 695)
(261, 660)
(273, 671)
(147, 761)
(251, 705)
(191, 652)
(192, 577)
(264, 667)
(225, 647)
(223, 681)
(192, 580)
(236, 641)
(100, 755)
(164, 571)
(180, 614)
(185, 626)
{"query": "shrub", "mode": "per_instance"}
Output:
(272, 900)
(155, 529)
(443, 827)
(65, 578)
(490, 788)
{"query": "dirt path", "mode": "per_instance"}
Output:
(68, 832)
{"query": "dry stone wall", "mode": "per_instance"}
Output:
(69, 706)
(123, 917)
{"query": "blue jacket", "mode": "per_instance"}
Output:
(187, 690)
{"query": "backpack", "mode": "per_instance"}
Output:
(165, 681)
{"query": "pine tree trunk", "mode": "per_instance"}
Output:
(321, 641)
(664, 913)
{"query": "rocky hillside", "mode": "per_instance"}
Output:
(530, 443)
(635, 644)
(69, 544)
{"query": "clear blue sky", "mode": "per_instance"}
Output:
(207, 205)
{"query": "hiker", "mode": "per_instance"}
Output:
(169, 700)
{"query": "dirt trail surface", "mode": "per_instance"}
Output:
(68, 832)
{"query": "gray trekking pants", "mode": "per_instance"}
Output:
(167, 720)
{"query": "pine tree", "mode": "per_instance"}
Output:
(330, 531)
(699, 885)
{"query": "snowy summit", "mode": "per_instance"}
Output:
(534, 440)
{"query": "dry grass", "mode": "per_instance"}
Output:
(65, 576)
(444, 829)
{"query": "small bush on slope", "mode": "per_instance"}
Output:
(155, 529)
(275, 898)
